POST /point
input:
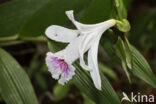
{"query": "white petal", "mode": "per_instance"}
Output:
(48, 60)
(61, 34)
(89, 27)
(72, 72)
(70, 15)
(92, 62)
(86, 43)
(71, 52)
(64, 79)
(55, 72)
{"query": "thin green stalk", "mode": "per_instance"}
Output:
(16, 37)
(10, 38)
(118, 10)
(35, 39)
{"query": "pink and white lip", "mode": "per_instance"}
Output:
(60, 64)
(59, 68)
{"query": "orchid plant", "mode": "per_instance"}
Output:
(85, 39)
(27, 31)
(28, 28)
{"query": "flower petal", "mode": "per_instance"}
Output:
(92, 62)
(65, 78)
(79, 26)
(61, 34)
(71, 52)
(86, 43)
(87, 28)
(55, 72)
(59, 68)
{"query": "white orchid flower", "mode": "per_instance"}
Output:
(85, 38)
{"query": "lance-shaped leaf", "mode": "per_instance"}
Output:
(141, 68)
(108, 71)
(15, 85)
(123, 51)
(83, 81)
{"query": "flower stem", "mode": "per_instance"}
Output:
(16, 37)
(36, 39)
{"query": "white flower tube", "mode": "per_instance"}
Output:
(85, 38)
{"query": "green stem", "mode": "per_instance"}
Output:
(117, 4)
(36, 39)
(16, 37)
(10, 38)
(121, 10)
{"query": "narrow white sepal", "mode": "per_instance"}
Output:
(87, 28)
(92, 62)
(86, 43)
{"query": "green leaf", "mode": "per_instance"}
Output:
(129, 58)
(108, 71)
(98, 11)
(83, 81)
(87, 100)
(60, 91)
(124, 66)
(53, 13)
(15, 85)
(123, 51)
(141, 68)
(13, 14)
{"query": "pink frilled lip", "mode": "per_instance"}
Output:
(60, 64)
(59, 68)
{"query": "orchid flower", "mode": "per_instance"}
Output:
(84, 38)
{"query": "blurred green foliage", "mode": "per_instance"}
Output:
(60, 91)
(22, 21)
(15, 86)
